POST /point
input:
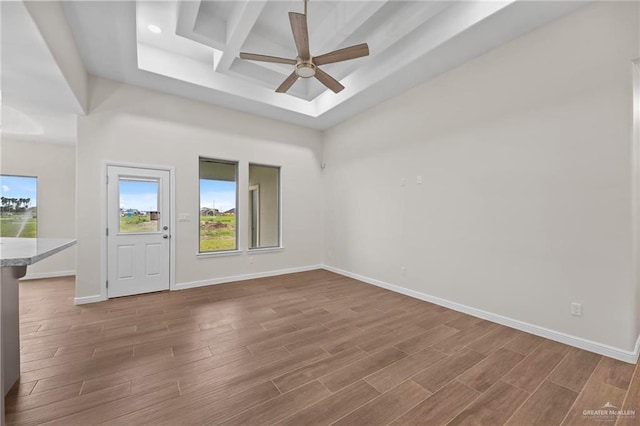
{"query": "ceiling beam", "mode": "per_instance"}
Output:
(239, 25)
(52, 24)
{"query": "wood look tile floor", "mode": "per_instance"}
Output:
(311, 348)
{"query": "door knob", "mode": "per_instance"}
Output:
(165, 236)
(164, 228)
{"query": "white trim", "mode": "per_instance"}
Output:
(220, 253)
(233, 278)
(89, 299)
(589, 345)
(264, 250)
(635, 192)
(250, 212)
(41, 275)
(636, 348)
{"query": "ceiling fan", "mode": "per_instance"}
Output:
(307, 65)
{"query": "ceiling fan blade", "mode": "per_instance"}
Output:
(328, 81)
(352, 52)
(266, 58)
(287, 83)
(300, 34)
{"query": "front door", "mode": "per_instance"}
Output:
(138, 233)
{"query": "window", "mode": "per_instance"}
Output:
(264, 206)
(138, 205)
(18, 211)
(218, 201)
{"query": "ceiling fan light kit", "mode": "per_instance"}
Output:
(305, 69)
(306, 66)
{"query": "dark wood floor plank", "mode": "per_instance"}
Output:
(388, 406)
(426, 339)
(524, 343)
(491, 369)
(453, 344)
(304, 348)
(360, 369)
(632, 403)
(334, 407)
(440, 407)
(548, 405)
(534, 369)
(494, 407)
(574, 371)
(494, 340)
(613, 372)
(438, 375)
(393, 375)
(594, 397)
(69, 406)
(283, 406)
(314, 370)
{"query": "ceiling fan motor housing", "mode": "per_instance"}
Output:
(305, 69)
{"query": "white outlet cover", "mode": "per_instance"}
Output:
(576, 309)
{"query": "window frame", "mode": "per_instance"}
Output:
(37, 197)
(221, 252)
(279, 245)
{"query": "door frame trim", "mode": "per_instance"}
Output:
(104, 255)
(250, 211)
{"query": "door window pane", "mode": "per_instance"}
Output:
(18, 211)
(218, 202)
(264, 206)
(139, 205)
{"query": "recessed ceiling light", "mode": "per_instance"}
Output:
(155, 29)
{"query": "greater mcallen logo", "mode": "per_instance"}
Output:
(608, 412)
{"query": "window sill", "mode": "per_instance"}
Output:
(219, 254)
(265, 250)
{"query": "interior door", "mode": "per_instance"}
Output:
(138, 233)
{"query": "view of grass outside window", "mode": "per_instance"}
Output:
(18, 211)
(264, 206)
(138, 205)
(218, 200)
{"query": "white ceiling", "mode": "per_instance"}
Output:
(196, 55)
(37, 103)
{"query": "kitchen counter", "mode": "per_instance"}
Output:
(15, 255)
(26, 251)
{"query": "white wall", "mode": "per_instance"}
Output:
(130, 124)
(55, 166)
(525, 204)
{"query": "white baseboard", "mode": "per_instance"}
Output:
(42, 275)
(578, 342)
(89, 299)
(234, 278)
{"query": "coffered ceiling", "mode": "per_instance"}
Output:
(195, 54)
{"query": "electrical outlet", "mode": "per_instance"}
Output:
(250, 260)
(329, 254)
(418, 180)
(403, 271)
(403, 182)
(576, 309)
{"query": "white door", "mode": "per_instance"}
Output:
(138, 233)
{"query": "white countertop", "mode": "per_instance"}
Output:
(26, 251)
